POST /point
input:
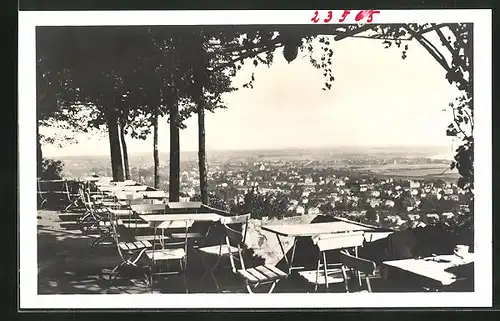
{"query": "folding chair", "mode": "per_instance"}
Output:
(184, 207)
(177, 208)
(130, 252)
(73, 194)
(102, 219)
(330, 273)
(171, 251)
(41, 194)
(92, 215)
(364, 268)
(232, 242)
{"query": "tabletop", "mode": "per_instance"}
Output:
(433, 267)
(133, 188)
(314, 228)
(153, 194)
(197, 217)
(148, 208)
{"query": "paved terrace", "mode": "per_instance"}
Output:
(67, 264)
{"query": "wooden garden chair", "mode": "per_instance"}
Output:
(231, 246)
(329, 273)
(129, 251)
(74, 195)
(169, 257)
(365, 269)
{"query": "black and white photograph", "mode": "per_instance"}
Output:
(202, 159)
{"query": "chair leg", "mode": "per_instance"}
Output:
(203, 263)
(151, 278)
(210, 271)
(317, 274)
(249, 288)
(272, 286)
(115, 272)
(346, 282)
(100, 239)
(216, 282)
(368, 285)
(185, 282)
(325, 270)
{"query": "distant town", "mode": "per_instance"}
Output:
(387, 190)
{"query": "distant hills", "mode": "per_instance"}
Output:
(433, 152)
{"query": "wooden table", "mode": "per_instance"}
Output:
(113, 188)
(432, 268)
(308, 230)
(154, 219)
(313, 228)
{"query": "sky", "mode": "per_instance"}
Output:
(377, 99)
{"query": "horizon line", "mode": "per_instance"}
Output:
(267, 149)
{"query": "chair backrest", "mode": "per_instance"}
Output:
(127, 182)
(139, 201)
(117, 231)
(175, 224)
(183, 225)
(326, 242)
(154, 194)
(237, 219)
(148, 208)
(74, 187)
(363, 265)
(235, 229)
(184, 206)
(235, 235)
(374, 236)
(133, 188)
(85, 197)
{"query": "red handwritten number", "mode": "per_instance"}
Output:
(344, 15)
(366, 13)
(330, 15)
(315, 19)
(370, 16)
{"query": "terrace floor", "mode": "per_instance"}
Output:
(67, 264)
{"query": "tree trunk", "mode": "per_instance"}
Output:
(174, 180)
(114, 144)
(202, 162)
(124, 151)
(39, 154)
(156, 157)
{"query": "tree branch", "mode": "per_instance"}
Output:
(244, 56)
(458, 125)
(429, 47)
(471, 120)
(434, 27)
(355, 31)
(382, 38)
(453, 52)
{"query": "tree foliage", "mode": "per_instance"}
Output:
(130, 71)
(51, 169)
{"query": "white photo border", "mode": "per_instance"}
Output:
(28, 289)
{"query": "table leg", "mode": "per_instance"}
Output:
(293, 253)
(288, 262)
(357, 272)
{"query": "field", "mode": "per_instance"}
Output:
(414, 170)
(424, 171)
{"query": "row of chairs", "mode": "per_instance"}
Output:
(115, 222)
(166, 250)
(63, 194)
